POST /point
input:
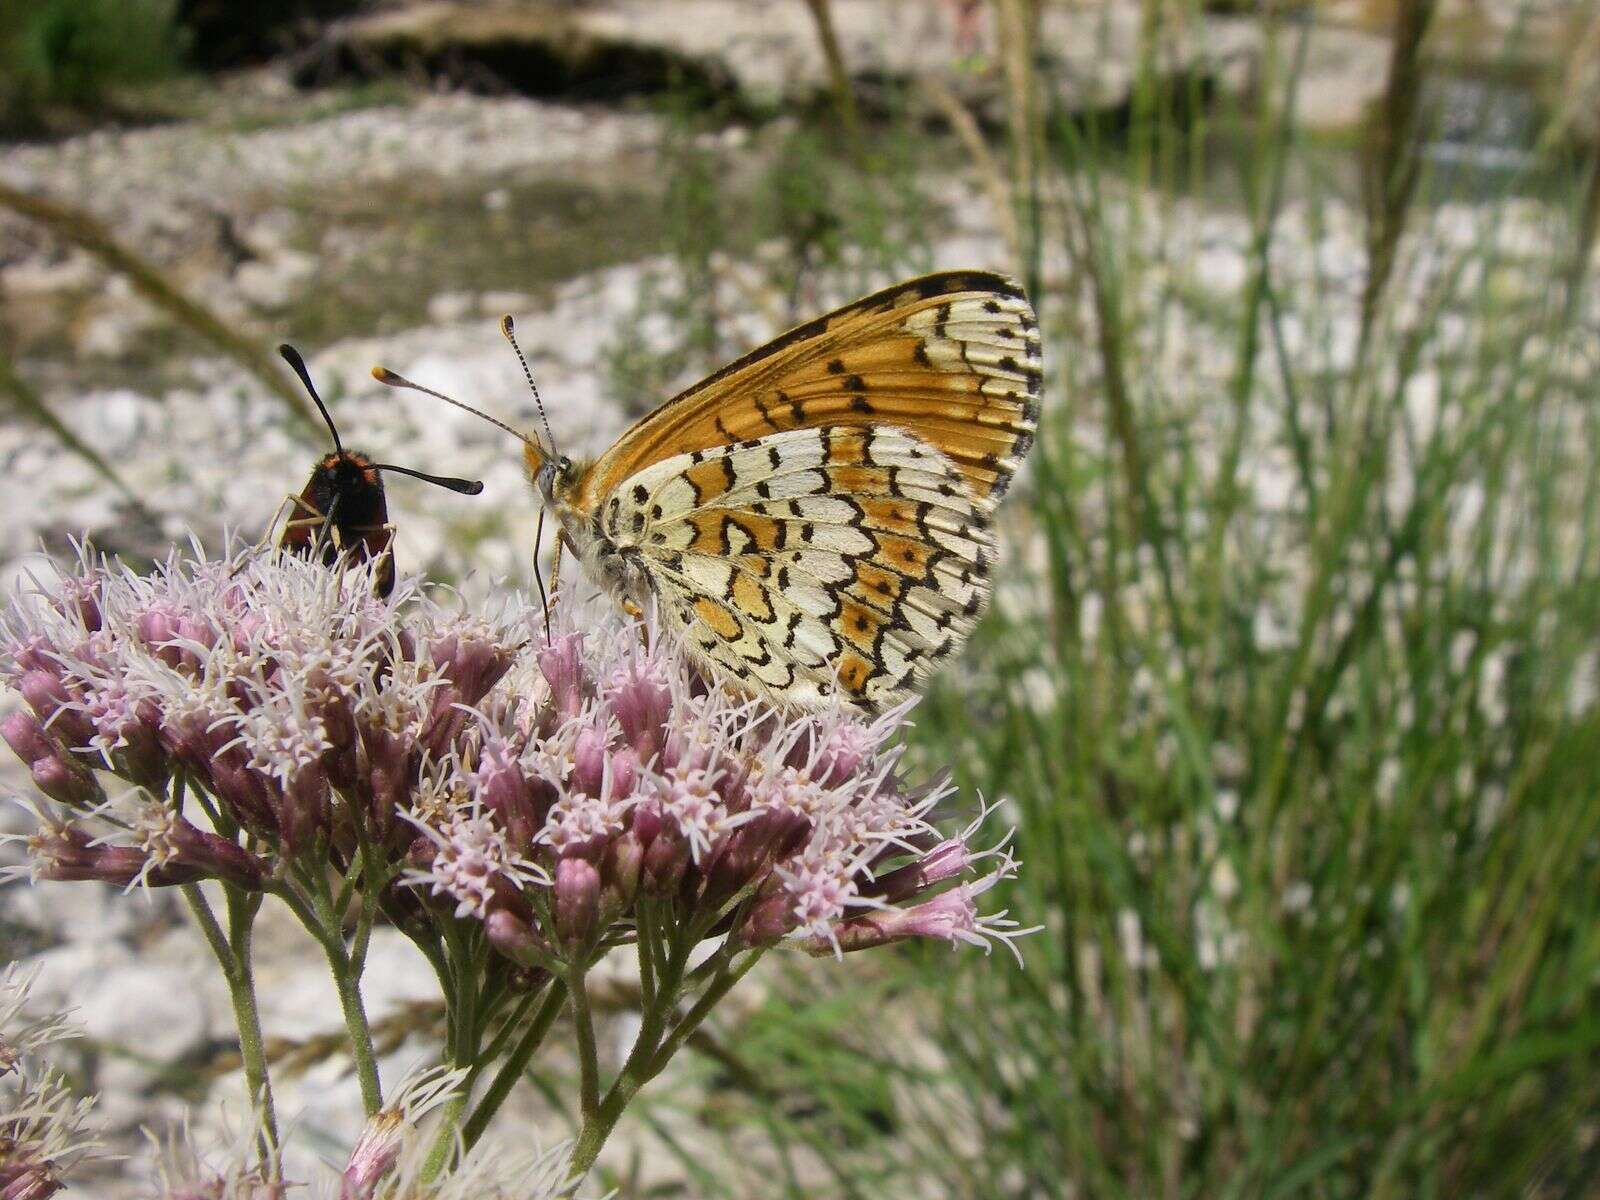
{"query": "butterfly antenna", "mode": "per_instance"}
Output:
(467, 487)
(298, 364)
(392, 379)
(510, 333)
(538, 575)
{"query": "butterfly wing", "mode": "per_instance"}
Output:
(816, 516)
(953, 359)
(811, 561)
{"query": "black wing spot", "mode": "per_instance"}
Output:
(859, 405)
(836, 367)
(855, 384)
(640, 493)
(991, 306)
(920, 355)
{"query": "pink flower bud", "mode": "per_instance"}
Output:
(374, 1154)
(948, 860)
(472, 665)
(516, 938)
(577, 900)
(665, 861)
(81, 598)
(641, 697)
(770, 919)
(49, 698)
(623, 862)
(28, 1181)
(56, 773)
(562, 666)
(64, 853)
(216, 856)
(589, 759)
(503, 789)
(303, 812)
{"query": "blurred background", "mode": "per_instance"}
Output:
(1291, 682)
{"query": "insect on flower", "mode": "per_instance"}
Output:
(342, 508)
(812, 522)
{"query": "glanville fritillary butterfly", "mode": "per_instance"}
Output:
(813, 521)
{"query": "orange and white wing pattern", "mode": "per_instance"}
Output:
(953, 359)
(812, 560)
(816, 518)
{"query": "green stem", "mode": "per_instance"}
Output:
(651, 1052)
(516, 1062)
(347, 978)
(588, 1056)
(233, 955)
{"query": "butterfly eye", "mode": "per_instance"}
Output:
(563, 466)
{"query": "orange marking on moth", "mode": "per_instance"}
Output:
(906, 555)
(758, 565)
(709, 479)
(720, 620)
(763, 531)
(855, 481)
(707, 533)
(895, 516)
(854, 671)
(859, 624)
(847, 448)
(876, 585)
(752, 598)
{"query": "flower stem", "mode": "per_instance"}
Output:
(652, 1050)
(233, 955)
(347, 979)
(511, 1070)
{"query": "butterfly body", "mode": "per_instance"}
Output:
(814, 521)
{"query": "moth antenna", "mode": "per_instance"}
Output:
(392, 379)
(509, 331)
(467, 487)
(298, 364)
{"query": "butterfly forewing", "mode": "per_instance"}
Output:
(951, 358)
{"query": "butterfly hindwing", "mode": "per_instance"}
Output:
(811, 560)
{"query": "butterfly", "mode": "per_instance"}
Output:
(343, 507)
(814, 521)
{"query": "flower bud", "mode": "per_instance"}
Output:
(502, 788)
(57, 774)
(770, 919)
(577, 900)
(28, 1181)
(623, 862)
(561, 664)
(472, 665)
(589, 759)
(948, 860)
(303, 812)
(54, 704)
(516, 938)
(665, 861)
(641, 698)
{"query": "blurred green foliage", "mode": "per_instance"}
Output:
(76, 54)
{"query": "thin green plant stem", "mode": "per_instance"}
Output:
(650, 1055)
(516, 1062)
(233, 955)
(588, 1055)
(347, 980)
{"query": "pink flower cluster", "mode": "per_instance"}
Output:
(260, 709)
